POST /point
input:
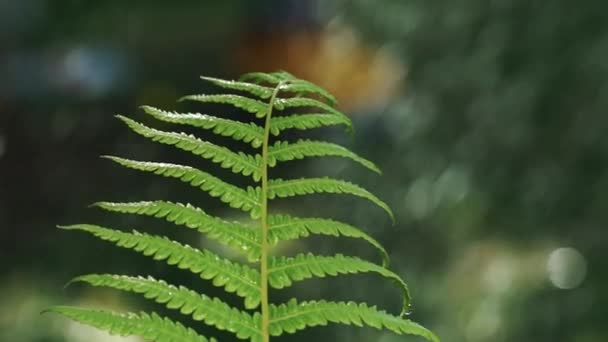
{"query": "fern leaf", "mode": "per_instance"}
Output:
(252, 88)
(152, 327)
(292, 317)
(304, 186)
(240, 131)
(234, 196)
(283, 227)
(295, 102)
(285, 151)
(260, 109)
(240, 279)
(211, 311)
(283, 271)
(233, 234)
(301, 86)
(297, 85)
(283, 75)
(260, 77)
(240, 162)
(306, 121)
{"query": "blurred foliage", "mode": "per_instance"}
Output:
(505, 108)
(493, 113)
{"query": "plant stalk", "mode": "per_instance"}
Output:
(264, 222)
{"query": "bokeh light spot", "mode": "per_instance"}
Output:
(498, 276)
(485, 322)
(75, 332)
(453, 185)
(419, 199)
(566, 268)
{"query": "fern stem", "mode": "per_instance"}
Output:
(264, 220)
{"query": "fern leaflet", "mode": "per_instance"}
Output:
(284, 227)
(306, 186)
(252, 88)
(284, 151)
(212, 312)
(293, 102)
(291, 317)
(228, 193)
(306, 121)
(240, 279)
(240, 131)
(237, 162)
(260, 77)
(250, 105)
(149, 326)
(284, 271)
(233, 234)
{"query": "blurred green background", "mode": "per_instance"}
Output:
(487, 117)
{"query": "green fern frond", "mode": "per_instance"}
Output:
(260, 109)
(240, 162)
(211, 311)
(265, 93)
(240, 131)
(283, 271)
(285, 151)
(306, 121)
(234, 278)
(284, 227)
(252, 88)
(246, 200)
(292, 317)
(152, 327)
(306, 186)
(234, 234)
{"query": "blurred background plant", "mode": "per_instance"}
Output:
(487, 117)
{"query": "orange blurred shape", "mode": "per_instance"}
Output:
(361, 77)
